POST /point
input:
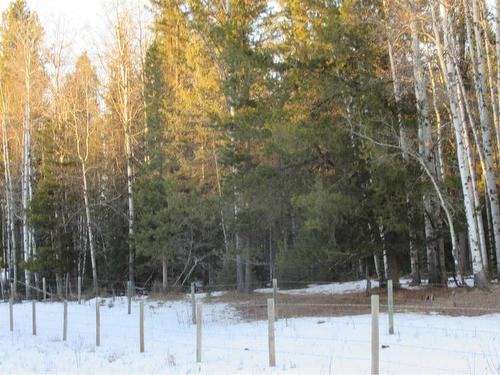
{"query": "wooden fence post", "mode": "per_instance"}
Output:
(390, 306)
(33, 315)
(193, 304)
(199, 327)
(11, 313)
(375, 335)
(141, 327)
(272, 344)
(44, 287)
(97, 323)
(275, 298)
(65, 322)
(79, 289)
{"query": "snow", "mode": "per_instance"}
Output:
(430, 344)
(353, 287)
(329, 288)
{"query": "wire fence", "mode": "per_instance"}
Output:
(242, 329)
(66, 287)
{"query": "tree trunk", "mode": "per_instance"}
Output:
(439, 128)
(385, 270)
(271, 260)
(5, 243)
(466, 112)
(490, 240)
(497, 16)
(393, 270)
(376, 262)
(248, 271)
(376, 256)
(90, 233)
(454, 242)
(484, 117)
(130, 195)
(83, 157)
(442, 260)
(66, 286)
(464, 254)
(440, 172)
(368, 290)
(25, 178)
(127, 123)
(12, 263)
(425, 149)
(414, 262)
(219, 192)
(450, 79)
(240, 240)
(491, 84)
(59, 286)
(164, 269)
(240, 282)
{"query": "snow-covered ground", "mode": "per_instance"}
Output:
(421, 343)
(326, 288)
(353, 287)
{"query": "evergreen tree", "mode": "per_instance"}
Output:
(155, 211)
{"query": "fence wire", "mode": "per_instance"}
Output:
(251, 340)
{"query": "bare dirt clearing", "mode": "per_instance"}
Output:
(446, 301)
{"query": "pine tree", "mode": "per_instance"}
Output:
(155, 211)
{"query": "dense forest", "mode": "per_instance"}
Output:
(233, 141)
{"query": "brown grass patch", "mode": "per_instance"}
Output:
(446, 301)
(168, 297)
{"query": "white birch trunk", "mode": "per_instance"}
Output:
(450, 80)
(439, 170)
(130, 196)
(239, 238)
(25, 176)
(376, 257)
(491, 84)
(83, 157)
(439, 127)
(90, 232)
(466, 113)
(12, 261)
(484, 117)
(384, 252)
(377, 267)
(425, 149)
(497, 16)
(124, 93)
(219, 192)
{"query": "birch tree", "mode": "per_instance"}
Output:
(426, 149)
(497, 36)
(125, 99)
(81, 90)
(485, 146)
(9, 194)
(445, 49)
(21, 41)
